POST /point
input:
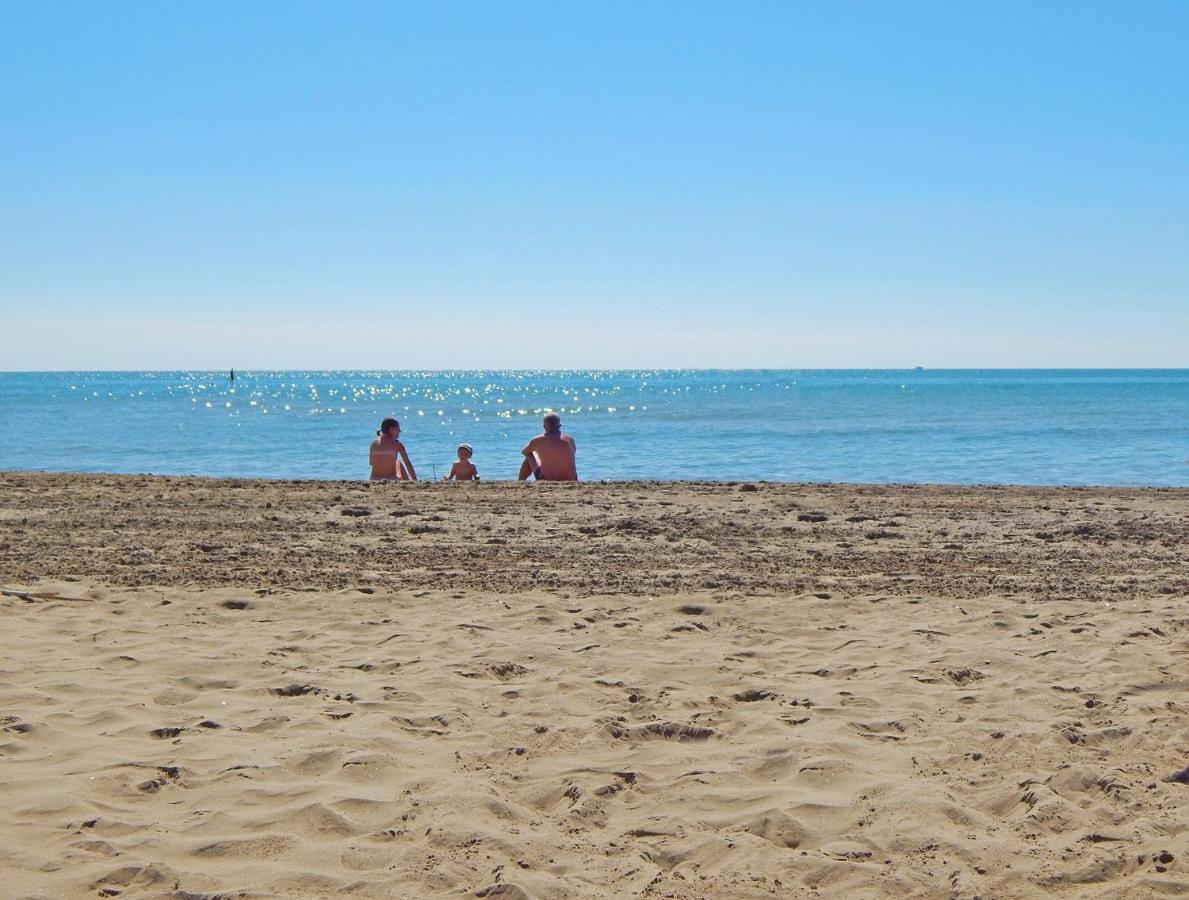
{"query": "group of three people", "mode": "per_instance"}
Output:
(549, 456)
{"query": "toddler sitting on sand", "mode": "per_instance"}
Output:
(464, 469)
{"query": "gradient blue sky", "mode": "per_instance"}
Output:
(405, 185)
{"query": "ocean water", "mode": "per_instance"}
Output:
(1127, 427)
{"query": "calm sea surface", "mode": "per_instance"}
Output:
(1127, 427)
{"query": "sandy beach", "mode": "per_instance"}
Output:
(313, 689)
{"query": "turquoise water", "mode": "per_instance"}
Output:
(1128, 427)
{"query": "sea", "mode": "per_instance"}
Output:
(969, 426)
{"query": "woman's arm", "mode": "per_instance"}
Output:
(404, 454)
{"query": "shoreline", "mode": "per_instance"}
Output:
(654, 482)
(688, 690)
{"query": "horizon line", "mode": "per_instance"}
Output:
(601, 369)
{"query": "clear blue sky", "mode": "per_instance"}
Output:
(404, 185)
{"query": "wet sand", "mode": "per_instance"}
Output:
(276, 689)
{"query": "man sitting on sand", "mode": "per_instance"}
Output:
(550, 456)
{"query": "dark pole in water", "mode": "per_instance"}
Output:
(232, 375)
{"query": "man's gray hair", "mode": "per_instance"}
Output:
(552, 422)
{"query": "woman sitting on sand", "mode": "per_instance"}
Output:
(389, 459)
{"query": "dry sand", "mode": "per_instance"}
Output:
(258, 689)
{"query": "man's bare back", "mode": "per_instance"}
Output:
(550, 456)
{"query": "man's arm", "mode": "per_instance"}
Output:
(528, 467)
(531, 464)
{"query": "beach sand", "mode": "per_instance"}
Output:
(296, 689)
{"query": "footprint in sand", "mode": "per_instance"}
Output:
(672, 731)
(174, 697)
(15, 725)
(265, 847)
(208, 684)
(752, 695)
(506, 670)
(169, 775)
(294, 690)
(847, 850)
